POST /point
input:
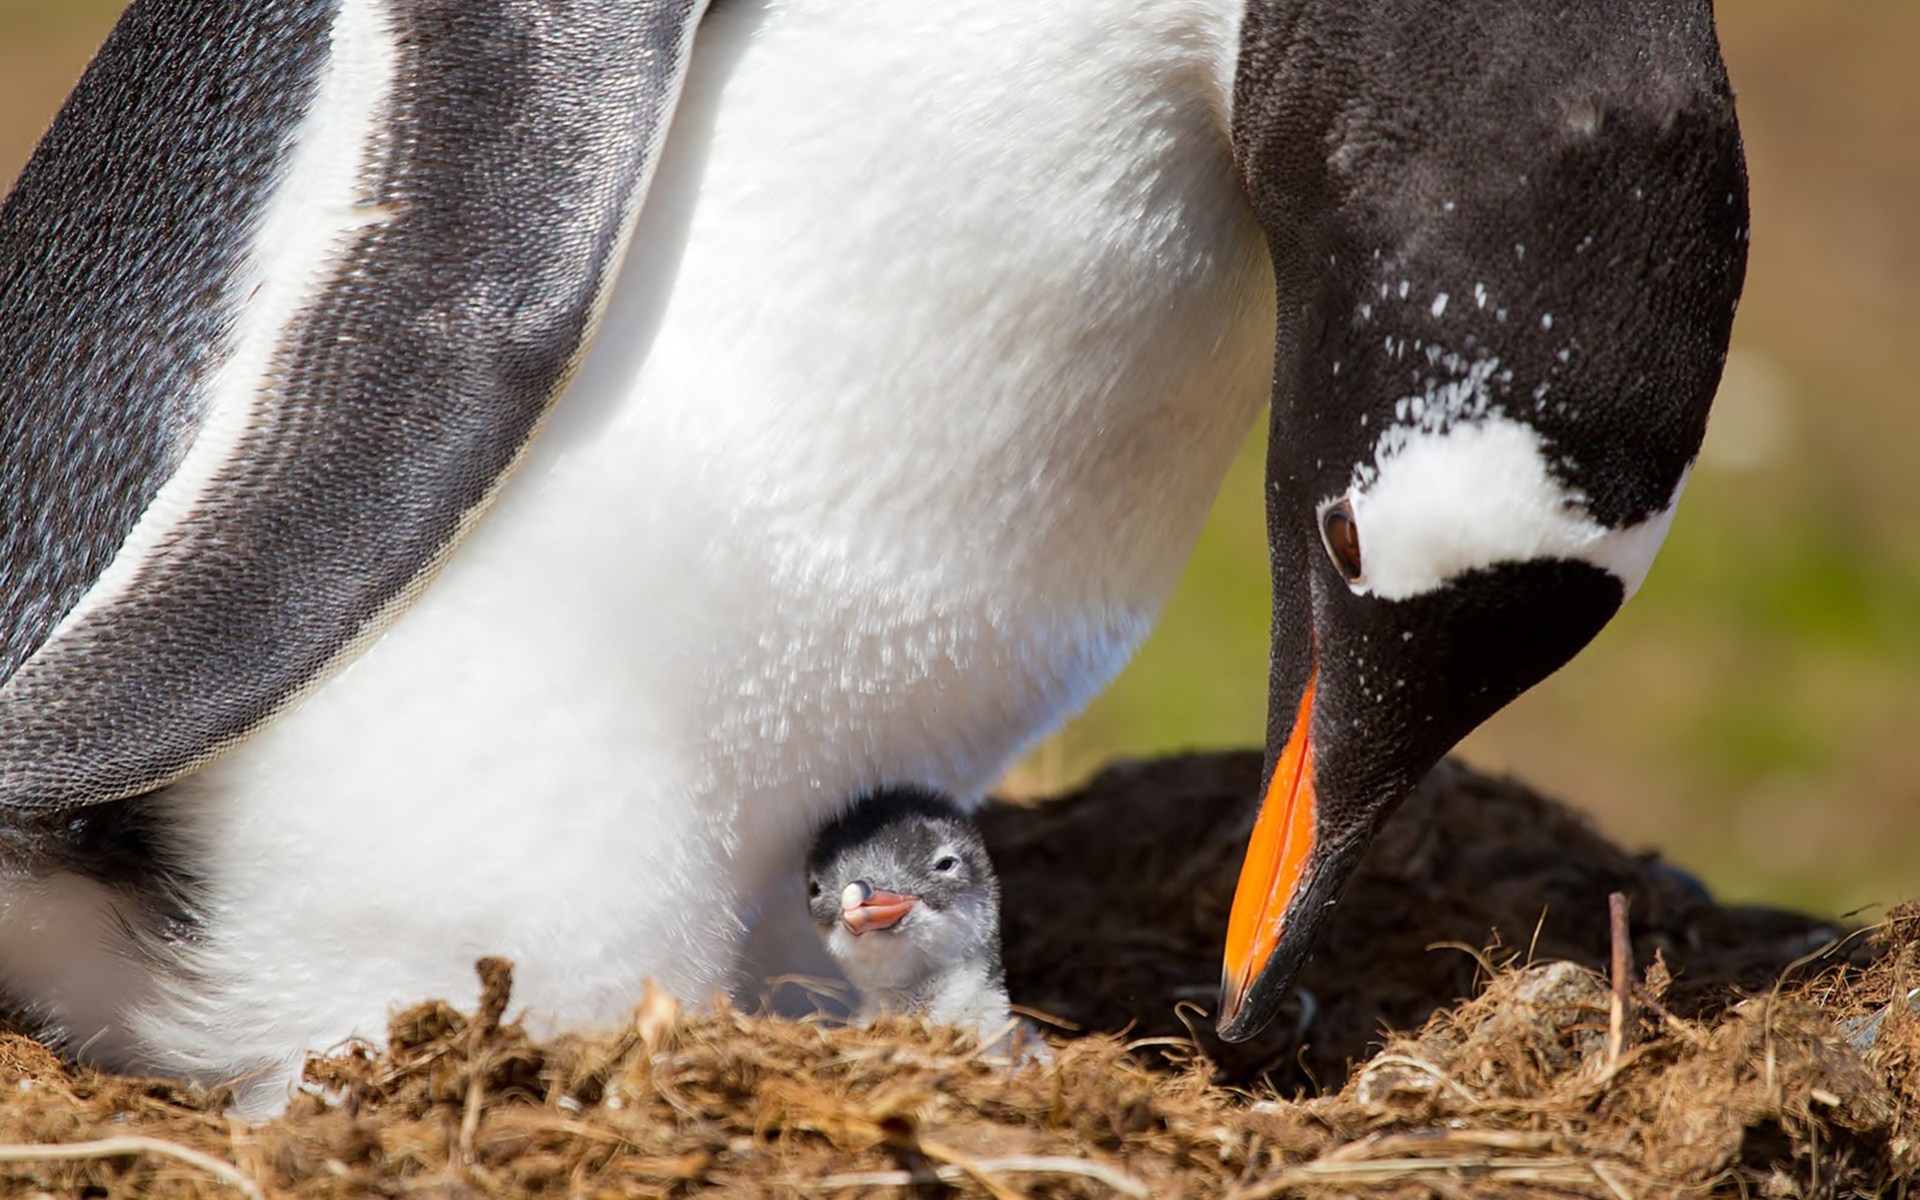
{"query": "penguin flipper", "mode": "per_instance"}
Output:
(284, 293)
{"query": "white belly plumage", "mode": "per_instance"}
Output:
(910, 401)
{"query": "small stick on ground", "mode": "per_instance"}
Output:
(1118, 1181)
(130, 1146)
(496, 988)
(1622, 979)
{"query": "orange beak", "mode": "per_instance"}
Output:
(1274, 870)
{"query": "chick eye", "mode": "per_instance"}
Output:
(947, 863)
(813, 889)
(1342, 535)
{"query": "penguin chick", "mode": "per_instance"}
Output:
(904, 895)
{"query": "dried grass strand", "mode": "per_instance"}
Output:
(974, 1169)
(1478, 954)
(132, 1146)
(1035, 1164)
(1561, 1171)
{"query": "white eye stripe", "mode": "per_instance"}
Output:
(1436, 504)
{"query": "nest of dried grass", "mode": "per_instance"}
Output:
(1743, 1061)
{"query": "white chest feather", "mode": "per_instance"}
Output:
(939, 329)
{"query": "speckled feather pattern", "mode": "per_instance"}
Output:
(502, 170)
(116, 279)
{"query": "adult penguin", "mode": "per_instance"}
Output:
(884, 361)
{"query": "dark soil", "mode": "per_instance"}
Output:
(1116, 899)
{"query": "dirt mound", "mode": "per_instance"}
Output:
(1743, 1063)
(1115, 901)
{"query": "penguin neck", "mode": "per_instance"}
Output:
(971, 993)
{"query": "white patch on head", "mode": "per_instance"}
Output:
(1444, 499)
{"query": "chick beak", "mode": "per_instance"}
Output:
(864, 909)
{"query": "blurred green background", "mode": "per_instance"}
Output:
(1755, 712)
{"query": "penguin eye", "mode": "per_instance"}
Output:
(813, 889)
(947, 864)
(1342, 535)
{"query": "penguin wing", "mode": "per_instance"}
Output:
(284, 293)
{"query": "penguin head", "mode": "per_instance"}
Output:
(1508, 246)
(902, 891)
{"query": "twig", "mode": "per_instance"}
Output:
(1622, 980)
(978, 1171)
(1412, 1145)
(1120, 1182)
(1606, 1178)
(470, 1113)
(496, 988)
(1541, 1172)
(1507, 1156)
(131, 1146)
